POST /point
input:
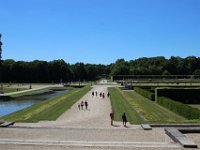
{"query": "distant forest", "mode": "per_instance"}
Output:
(61, 71)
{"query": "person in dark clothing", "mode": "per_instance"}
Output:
(112, 117)
(124, 119)
(79, 106)
(108, 95)
(82, 104)
(86, 104)
(100, 94)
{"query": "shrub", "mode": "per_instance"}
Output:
(183, 95)
(179, 108)
(145, 93)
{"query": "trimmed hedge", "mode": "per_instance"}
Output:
(179, 108)
(183, 95)
(145, 93)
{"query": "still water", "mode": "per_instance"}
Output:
(7, 107)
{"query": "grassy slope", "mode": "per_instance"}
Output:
(195, 105)
(9, 90)
(152, 111)
(50, 109)
(120, 105)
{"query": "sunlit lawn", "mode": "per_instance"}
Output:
(195, 106)
(9, 90)
(120, 105)
(150, 110)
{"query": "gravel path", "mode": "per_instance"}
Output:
(84, 130)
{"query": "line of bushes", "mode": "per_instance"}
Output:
(183, 95)
(145, 93)
(179, 108)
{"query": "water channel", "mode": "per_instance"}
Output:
(7, 107)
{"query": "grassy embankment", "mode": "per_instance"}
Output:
(50, 109)
(152, 112)
(120, 105)
(195, 106)
(9, 90)
(140, 109)
(30, 91)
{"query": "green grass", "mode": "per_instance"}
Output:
(9, 90)
(120, 105)
(195, 105)
(26, 93)
(50, 109)
(150, 110)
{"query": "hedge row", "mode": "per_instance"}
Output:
(179, 108)
(187, 96)
(145, 93)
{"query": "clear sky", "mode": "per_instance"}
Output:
(99, 31)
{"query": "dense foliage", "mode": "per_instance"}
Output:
(157, 66)
(187, 96)
(57, 70)
(47, 72)
(179, 108)
(145, 93)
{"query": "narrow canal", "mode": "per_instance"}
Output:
(7, 107)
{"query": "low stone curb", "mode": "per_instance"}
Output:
(177, 136)
(146, 127)
(175, 125)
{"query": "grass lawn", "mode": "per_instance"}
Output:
(150, 110)
(9, 90)
(195, 105)
(50, 109)
(120, 105)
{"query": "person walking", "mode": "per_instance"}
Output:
(112, 117)
(108, 95)
(86, 105)
(82, 104)
(103, 95)
(79, 106)
(124, 119)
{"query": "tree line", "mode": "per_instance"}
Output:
(157, 66)
(48, 72)
(61, 71)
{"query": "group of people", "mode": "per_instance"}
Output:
(124, 118)
(82, 104)
(101, 94)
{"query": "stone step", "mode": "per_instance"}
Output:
(146, 127)
(6, 124)
(177, 136)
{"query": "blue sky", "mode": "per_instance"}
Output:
(99, 31)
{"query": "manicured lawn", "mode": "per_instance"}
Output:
(120, 105)
(150, 110)
(9, 90)
(50, 109)
(195, 106)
